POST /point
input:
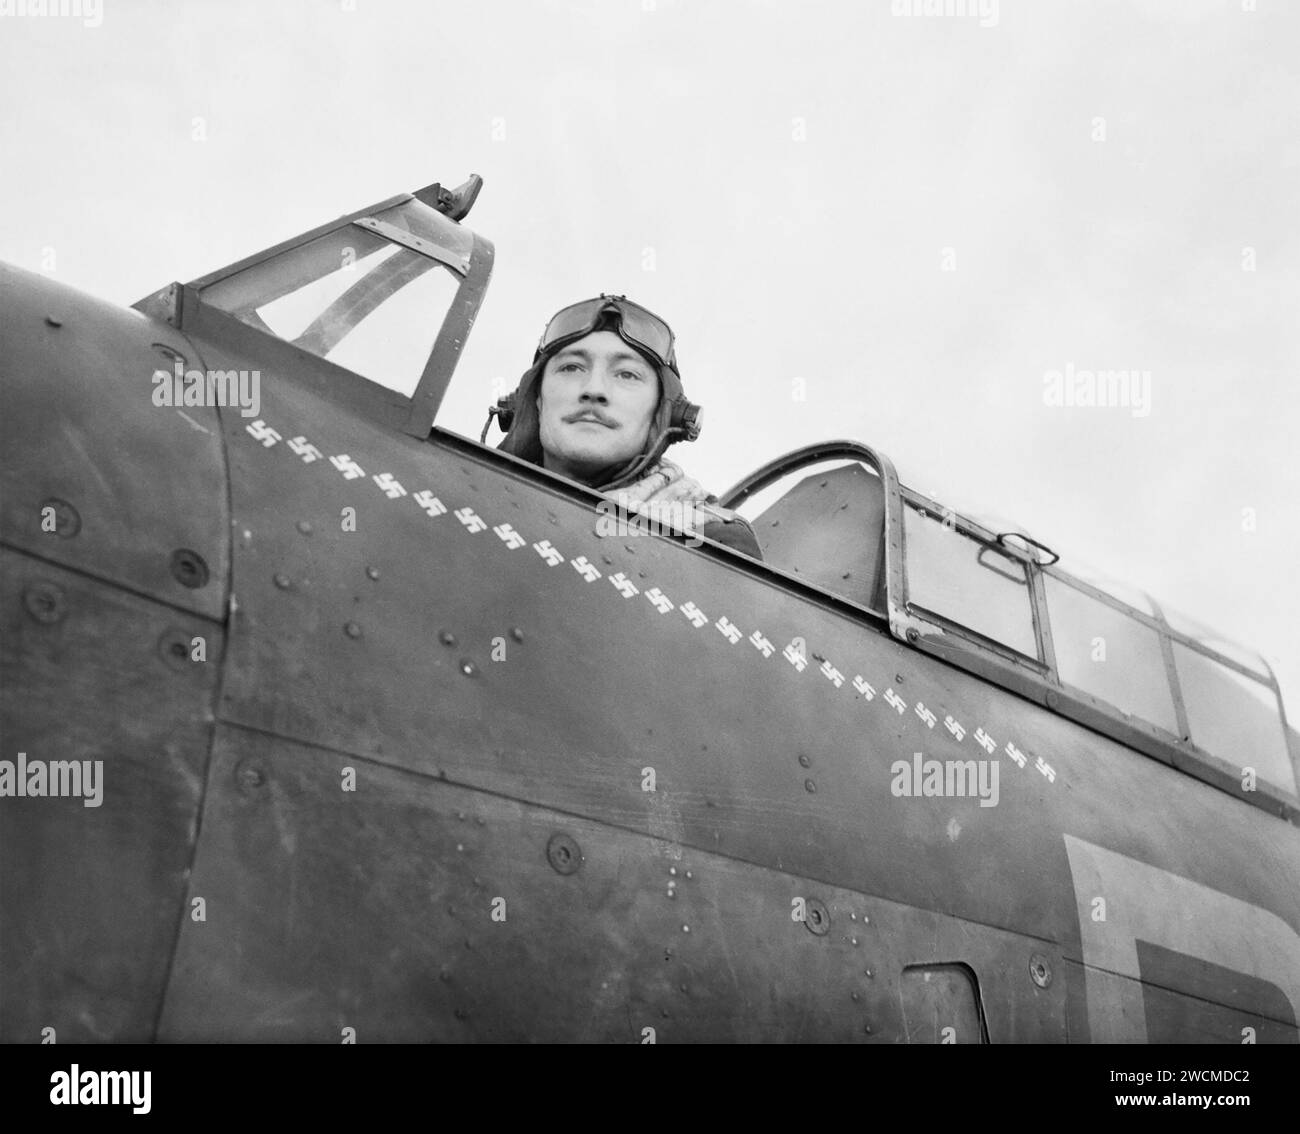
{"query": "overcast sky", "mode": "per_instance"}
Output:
(910, 221)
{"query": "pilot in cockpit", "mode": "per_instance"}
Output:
(601, 403)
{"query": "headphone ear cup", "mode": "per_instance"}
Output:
(506, 412)
(686, 417)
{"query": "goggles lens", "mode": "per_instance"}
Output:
(638, 326)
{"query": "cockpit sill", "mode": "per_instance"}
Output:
(1035, 679)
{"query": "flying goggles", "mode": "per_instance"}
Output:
(636, 326)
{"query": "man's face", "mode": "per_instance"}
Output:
(597, 398)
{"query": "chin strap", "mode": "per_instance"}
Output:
(643, 462)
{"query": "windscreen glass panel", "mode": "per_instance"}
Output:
(828, 528)
(1234, 717)
(968, 582)
(1105, 652)
(352, 297)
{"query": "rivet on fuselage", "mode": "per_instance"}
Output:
(174, 648)
(372, 572)
(352, 630)
(67, 521)
(447, 638)
(44, 602)
(189, 569)
(304, 526)
(1040, 970)
(467, 667)
(250, 776)
(516, 634)
(810, 786)
(282, 581)
(817, 918)
(805, 762)
(563, 853)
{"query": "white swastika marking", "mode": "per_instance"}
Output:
(430, 503)
(511, 538)
(347, 466)
(832, 674)
(695, 614)
(660, 600)
(307, 451)
(625, 585)
(586, 569)
(547, 552)
(733, 634)
(391, 488)
(262, 432)
(473, 523)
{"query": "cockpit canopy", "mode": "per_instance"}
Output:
(1000, 604)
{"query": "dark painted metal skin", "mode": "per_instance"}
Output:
(95, 639)
(498, 871)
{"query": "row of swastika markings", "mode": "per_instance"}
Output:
(794, 653)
